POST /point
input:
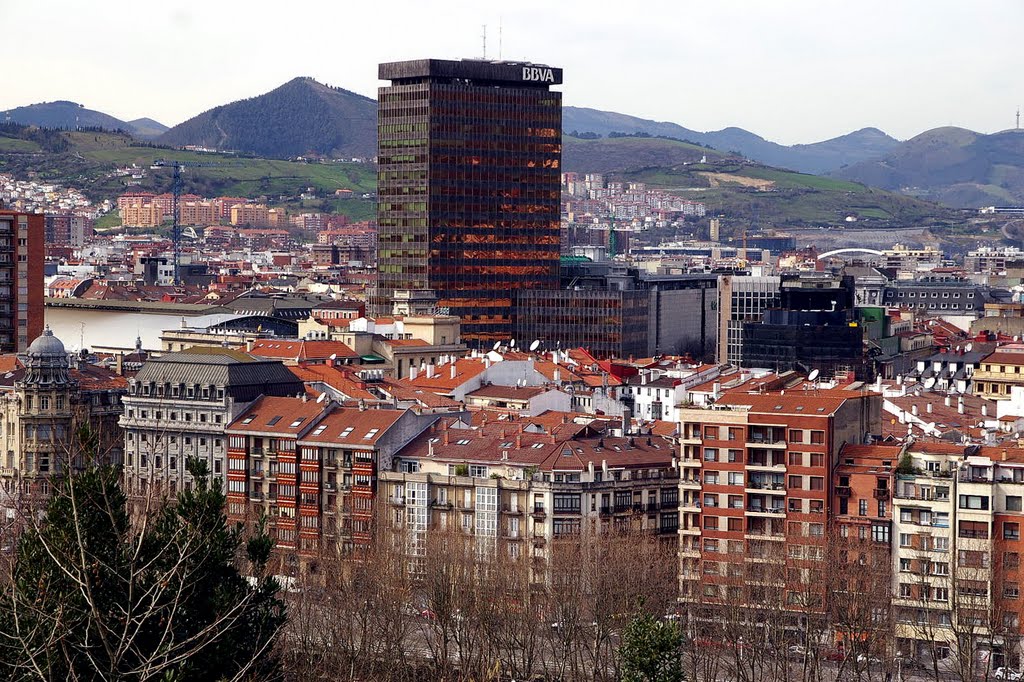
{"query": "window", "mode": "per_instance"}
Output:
(735, 455)
(974, 502)
(817, 506)
(480, 471)
(735, 523)
(862, 507)
(974, 529)
(710, 478)
(1011, 590)
(1011, 531)
(710, 454)
(796, 459)
(904, 539)
(711, 523)
(1013, 503)
(710, 500)
(735, 478)
(796, 483)
(817, 483)
(796, 436)
(1011, 560)
(880, 532)
(817, 437)
(904, 564)
(817, 459)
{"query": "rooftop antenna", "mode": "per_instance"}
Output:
(499, 59)
(484, 36)
(1018, 118)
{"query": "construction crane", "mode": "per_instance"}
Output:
(176, 166)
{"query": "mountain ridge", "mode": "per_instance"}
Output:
(68, 115)
(817, 157)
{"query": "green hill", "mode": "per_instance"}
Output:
(745, 193)
(300, 118)
(88, 161)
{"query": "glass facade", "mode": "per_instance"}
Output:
(468, 187)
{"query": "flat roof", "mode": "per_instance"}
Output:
(519, 73)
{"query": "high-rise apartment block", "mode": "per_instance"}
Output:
(21, 279)
(468, 184)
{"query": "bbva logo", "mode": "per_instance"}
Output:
(536, 73)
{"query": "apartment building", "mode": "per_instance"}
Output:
(754, 492)
(179, 405)
(956, 554)
(21, 279)
(311, 469)
(1000, 371)
(519, 489)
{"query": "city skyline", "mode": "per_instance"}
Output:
(820, 71)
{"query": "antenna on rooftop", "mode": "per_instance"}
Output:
(499, 59)
(484, 36)
(1018, 118)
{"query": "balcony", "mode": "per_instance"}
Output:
(539, 540)
(442, 505)
(668, 530)
(257, 497)
(652, 507)
(843, 491)
(881, 493)
(605, 509)
(670, 504)
(256, 473)
(397, 501)
(767, 511)
(563, 511)
(331, 486)
(509, 510)
(539, 511)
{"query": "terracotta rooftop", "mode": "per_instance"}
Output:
(301, 350)
(353, 427)
(276, 415)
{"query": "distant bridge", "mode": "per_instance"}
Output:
(836, 252)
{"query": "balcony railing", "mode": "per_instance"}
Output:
(670, 504)
(539, 510)
(843, 490)
(881, 493)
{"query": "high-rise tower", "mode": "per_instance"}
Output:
(469, 156)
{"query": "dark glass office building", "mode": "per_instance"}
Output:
(468, 182)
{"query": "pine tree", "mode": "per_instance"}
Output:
(651, 651)
(94, 596)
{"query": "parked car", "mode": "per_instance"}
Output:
(1008, 674)
(798, 652)
(867, 659)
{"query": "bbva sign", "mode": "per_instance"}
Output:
(537, 73)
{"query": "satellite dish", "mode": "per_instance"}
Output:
(496, 345)
(968, 348)
(512, 343)
(929, 382)
(334, 356)
(535, 345)
(813, 375)
(321, 397)
(494, 356)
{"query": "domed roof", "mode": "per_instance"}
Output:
(47, 345)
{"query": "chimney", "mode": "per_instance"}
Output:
(119, 364)
(412, 372)
(913, 409)
(452, 371)
(948, 401)
(716, 390)
(928, 408)
(643, 378)
(444, 438)
(984, 410)
(960, 405)
(558, 377)
(519, 441)
(305, 397)
(430, 371)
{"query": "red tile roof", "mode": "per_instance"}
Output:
(276, 415)
(301, 350)
(353, 427)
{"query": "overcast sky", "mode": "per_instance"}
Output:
(789, 70)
